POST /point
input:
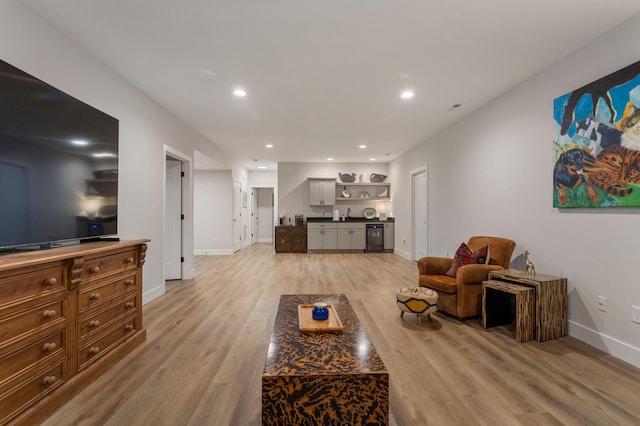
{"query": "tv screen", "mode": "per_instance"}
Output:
(58, 165)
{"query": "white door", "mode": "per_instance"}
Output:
(173, 221)
(237, 199)
(419, 186)
(254, 216)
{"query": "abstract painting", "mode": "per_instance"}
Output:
(597, 143)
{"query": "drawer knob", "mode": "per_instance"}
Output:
(128, 327)
(129, 305)
(49, 313)
(94, 323)
(94, 270)
(94, 296)
(130, 260)
(94, 350)
(49, 380)
(48, 282)
(128, 282)
(48, 347)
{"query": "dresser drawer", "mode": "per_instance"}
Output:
(28, 283)
(47, 350)
(92, 323)
(15, 400)
(32, 320)
(96, 268)
(102, 345)
(102, 292)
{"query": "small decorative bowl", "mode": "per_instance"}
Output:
(320, 311)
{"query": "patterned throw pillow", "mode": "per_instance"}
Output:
(465, 256)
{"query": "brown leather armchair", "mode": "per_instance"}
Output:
(462, 296)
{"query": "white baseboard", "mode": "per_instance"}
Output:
(152, 294)
(607, 344)
(213, 252)
(265, 240)
(402, 253)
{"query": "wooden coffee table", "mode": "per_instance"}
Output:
(322, 378)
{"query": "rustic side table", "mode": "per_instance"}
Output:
(502, 301)
(551, 300)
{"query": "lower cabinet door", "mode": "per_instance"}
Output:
(358, 240)
(30, 391)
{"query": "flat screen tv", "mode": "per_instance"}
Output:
(58, 166)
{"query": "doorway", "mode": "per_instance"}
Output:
(419, 212)
(173, 220)
(177, 216)
(262, 227)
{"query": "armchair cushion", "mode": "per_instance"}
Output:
(465, 256)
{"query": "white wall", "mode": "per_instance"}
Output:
(293, 187)
(491, 174)
(32, 45)
(212, 193)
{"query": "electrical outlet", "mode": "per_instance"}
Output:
(635, 314)
(602, 303)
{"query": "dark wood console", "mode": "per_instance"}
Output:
(66, 315)
(291, 239)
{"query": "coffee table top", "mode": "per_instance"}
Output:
(295, 353)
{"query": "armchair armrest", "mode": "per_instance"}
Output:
(474, 273)
(432, 265)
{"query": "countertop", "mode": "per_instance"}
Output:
(350, 219)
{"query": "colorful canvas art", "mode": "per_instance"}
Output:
(597, 143)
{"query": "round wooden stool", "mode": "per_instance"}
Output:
(417, 300)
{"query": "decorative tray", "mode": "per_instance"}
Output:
(308, 325)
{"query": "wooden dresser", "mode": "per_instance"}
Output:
(66, 315)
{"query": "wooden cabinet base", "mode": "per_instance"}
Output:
(58, 397)
(66, 316)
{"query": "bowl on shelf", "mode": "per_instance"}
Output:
(364, 194)
(346, 194)
(377, 178)
(347, 177)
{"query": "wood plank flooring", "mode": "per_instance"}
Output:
(207, 340)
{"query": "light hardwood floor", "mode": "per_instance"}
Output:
(207, 340)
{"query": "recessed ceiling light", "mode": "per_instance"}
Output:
(262, 167)
(372, 159)
(330, 159)
(268, 145)
(79, 142)
(454, 107)
(362, 146)
(240, 92)
(103, 155)
(407, 94)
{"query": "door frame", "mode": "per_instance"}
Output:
(236, 216)
(412, 175)
(187, 208)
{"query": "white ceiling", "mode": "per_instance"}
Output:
(325, 76)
